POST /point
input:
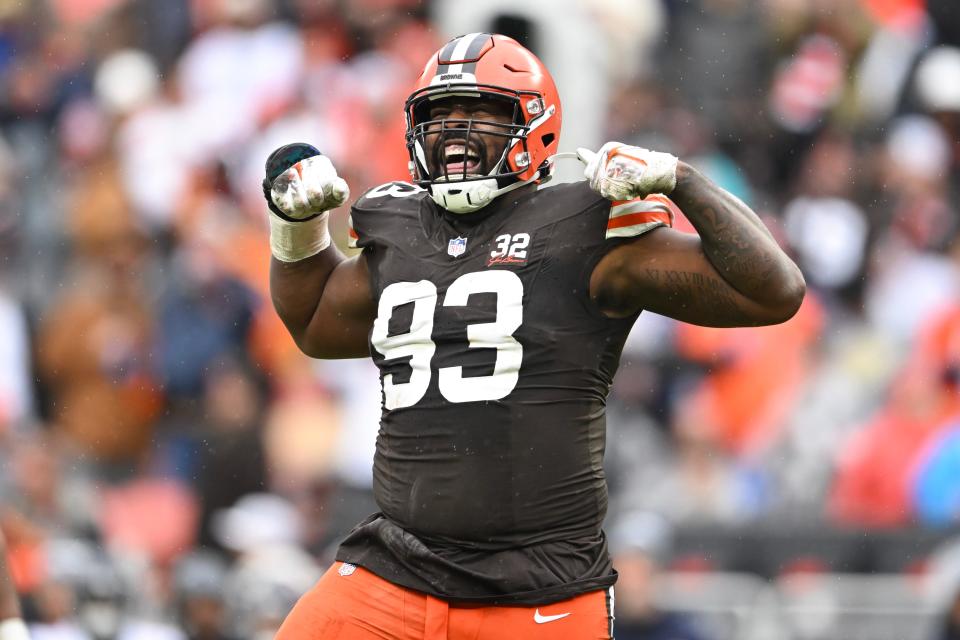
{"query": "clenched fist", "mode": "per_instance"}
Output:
(301, 183)
(622, 172)
(301, 186)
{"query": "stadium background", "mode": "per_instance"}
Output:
(166, 455)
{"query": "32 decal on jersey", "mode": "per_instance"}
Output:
(509, 249)
(417, 343)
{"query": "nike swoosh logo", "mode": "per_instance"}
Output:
(539, 619)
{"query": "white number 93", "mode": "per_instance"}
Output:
(418, 345)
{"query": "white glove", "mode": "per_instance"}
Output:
(304, 193)
(622, 172)
(309, 188)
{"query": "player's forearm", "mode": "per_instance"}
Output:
(325, 302)
(297, 290)
(737, 243)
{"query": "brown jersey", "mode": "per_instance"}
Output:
(495, 366)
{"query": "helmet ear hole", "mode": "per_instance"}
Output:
(547, 138)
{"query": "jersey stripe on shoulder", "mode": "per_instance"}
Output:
(352, 236)
(629, 218)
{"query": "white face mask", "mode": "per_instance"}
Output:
(467, 197)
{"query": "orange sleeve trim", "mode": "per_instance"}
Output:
(643, 217)
(617, 203)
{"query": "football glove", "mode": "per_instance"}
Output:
(622, 172)
(301, 183)
(300, 187)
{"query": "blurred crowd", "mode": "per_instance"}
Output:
(172, 467)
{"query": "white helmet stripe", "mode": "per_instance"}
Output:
(460, 51)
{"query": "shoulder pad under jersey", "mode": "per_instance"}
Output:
(630, 218)
(391, 197)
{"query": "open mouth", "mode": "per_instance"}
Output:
(460, 157)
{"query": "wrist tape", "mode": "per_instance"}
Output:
(294, 241)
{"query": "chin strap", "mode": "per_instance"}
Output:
(467, 197)
(568, 155)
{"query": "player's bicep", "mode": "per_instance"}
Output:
(345, 314)
(666, 272)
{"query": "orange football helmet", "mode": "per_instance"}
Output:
(486, 67)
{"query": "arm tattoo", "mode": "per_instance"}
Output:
(733, 238)
(701, 294)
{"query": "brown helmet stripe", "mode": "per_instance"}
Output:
(466, 47)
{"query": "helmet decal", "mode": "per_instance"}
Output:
(457, 61)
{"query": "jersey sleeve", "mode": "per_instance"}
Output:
(630, 218)
(377, 211)
(352, 236)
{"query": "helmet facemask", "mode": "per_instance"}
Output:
(451, 157)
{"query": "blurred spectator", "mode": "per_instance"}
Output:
(912, 277)
(54, 601)
(105, 607)
(155, 518)
(204, 320)
(951, 621)
(884, 68)
(96, 336)
(640, 544)
(876, 466)
(852, 369)
(724, 96)
(350, 498)
(9, 600)
(936, 489)
(698, 483)
(241, 67)
(198, 582)
(230, 458)
(271, 571)
(828, 231)
(47, 488)
(94, 355)
(16, 389)
(751, 386)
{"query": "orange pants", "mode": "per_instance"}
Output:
(350, 603)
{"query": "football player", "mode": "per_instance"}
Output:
(496, 311)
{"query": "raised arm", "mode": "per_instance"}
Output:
(732, 273)
(325, 303)
(323, 298)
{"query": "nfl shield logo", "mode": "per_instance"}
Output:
(457, 246)
(347, 569)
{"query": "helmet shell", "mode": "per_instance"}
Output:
(492, 66)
